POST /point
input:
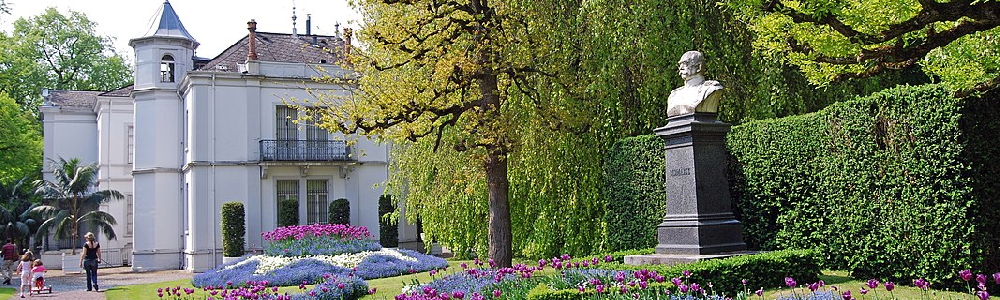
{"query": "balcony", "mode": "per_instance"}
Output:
(304, 150)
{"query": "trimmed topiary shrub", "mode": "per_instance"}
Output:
(288, 212)
(340, 212)
(633, 184)
(898, 185)
(234, 229)
(388, 230)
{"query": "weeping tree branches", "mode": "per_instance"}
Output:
(446, 70)
(838, 40)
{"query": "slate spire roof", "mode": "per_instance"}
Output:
(166, 23)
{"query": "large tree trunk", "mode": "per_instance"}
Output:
(501, 247)
(495, 164)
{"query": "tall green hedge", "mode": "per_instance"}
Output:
(234, 229)
(288, 212)
(634, 189)
(387, 229)
(340, 212)
(898, 185)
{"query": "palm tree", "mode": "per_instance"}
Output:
(16, 222)
(64, 197)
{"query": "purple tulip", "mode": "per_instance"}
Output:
(371, 291)
(608, 258)
(996, 277)
(457, 295)
(683, 288)
(921, 284)
(846, 295)
(790, 282)
(760, 292)
(981, 279)
(889, 285)
(966, 275)
(496, 293)
(744, 281)
(983, 295)
(863, 291)
(813, 286)
(686, 273)
(695, 287)
(872, 283)
(676, 281)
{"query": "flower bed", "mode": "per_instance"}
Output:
(289, 271)
(319, 239)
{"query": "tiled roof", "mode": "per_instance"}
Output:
(122, 92)
(76, 99)
(166, 23)
(280, 47)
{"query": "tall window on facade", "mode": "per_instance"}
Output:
(130, 142)
(167, 68)
(285, 121)
(316, 202)
(287, 190)
(287, 133)
(128, 215)
(316, 139)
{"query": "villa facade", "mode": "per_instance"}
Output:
(193, 133)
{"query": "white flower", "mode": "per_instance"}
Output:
(352, 260)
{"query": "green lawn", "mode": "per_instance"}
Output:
(842, 282)
(7, 292)
(387, 288)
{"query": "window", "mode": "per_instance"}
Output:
(128, 214)
(167, 68)
(285, 120)
(313, 132)
(316, 202)
(130, 141)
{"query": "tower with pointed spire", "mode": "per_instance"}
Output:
(163, 56)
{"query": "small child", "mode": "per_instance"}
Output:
(38, 274)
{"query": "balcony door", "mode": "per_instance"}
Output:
(286, 133)
(316, 139)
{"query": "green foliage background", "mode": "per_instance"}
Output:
(340, 212)
(60, 52)
(636, 196)
(21, 142)
(234, 229)
(889, 186)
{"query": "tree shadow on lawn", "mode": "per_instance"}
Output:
(835, 277)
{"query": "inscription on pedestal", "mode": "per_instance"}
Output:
(680, 172)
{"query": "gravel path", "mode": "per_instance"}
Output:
(74, 286)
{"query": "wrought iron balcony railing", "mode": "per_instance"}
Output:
(304, 150)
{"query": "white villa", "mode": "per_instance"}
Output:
(193, 133)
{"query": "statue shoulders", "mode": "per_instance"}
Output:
(711, 83)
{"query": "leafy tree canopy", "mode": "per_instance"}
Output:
(21, 145)
(57, 51)
(833, 40)
(459, 73)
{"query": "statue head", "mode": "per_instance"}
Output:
(691, 64)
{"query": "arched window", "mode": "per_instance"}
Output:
(167, 68)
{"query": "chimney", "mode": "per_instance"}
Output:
(309, 24)
(252, 26)
(347, 41)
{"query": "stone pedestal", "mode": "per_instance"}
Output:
(699, 223)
